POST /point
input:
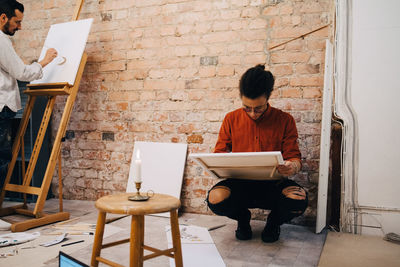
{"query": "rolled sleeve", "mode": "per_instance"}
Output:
(224, 142)
(12, 64)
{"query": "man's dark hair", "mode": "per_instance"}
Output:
(8, 7)
(256, 82)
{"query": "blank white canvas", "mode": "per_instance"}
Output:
(325, 139)
(69, 39)
(244, 165)
(162, 168)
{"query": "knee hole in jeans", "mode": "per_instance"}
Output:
(218, 194)
(294, 192)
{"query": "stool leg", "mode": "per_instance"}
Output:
(98, 238)
(137, 240)
(176, 238)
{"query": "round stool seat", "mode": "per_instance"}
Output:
(119, 204)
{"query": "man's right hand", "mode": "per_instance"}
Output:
(51, 54)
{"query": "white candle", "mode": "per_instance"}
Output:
(138, 168)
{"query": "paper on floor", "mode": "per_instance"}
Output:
(17, 238)
(4, 226)
(198, 248)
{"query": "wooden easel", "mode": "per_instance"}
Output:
(51, 90)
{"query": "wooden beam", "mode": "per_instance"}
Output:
(23, 189)
(108, 262)
(298, 37)
(47, 219)
(10, 210)
(77, 10)
(119, 242)
(158, 252)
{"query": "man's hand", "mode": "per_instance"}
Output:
(51, 54)
(289, 168)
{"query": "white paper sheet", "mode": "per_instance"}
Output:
(198, 248)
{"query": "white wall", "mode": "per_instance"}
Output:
(375, 100)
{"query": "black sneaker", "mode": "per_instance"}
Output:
(270, 233)
(243, 233)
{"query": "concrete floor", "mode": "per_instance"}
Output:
(297, 246)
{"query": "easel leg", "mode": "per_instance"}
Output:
(57, 142)
(17, 144)
(60, 185)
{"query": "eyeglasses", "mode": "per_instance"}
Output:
(257, 110)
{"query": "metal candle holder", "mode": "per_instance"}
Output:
(138, 196)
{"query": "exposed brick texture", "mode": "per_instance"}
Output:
(168, 71)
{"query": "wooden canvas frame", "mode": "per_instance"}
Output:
(243, 165)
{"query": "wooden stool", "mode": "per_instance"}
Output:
(119, 204)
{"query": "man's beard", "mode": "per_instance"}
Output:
(6, 29)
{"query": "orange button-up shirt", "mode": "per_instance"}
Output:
(275, 130)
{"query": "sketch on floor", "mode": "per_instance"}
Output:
(17, 238)
(69, 39)
(192, 234)
(162, 166)
(198, 247)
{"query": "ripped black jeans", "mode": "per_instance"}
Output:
(5, 141)
(268, 195)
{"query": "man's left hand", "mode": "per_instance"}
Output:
(288, 168)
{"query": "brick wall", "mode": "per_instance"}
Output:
(168, 71)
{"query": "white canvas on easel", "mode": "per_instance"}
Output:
(243, 165)
(69, 39)
(162, 168)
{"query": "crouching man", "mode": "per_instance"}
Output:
(258, 127)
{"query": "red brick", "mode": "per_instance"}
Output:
(220, 37)
(307, 68)
(316, 44)
(258, 24)
(296, 45)
(280, 82)
(123, 95)
(113, 66)
(239, 25)
(49, 4)
(250, 12)
(307, 81)
(229, 60)
(207, 71)
(252, 35)
(289, 57)
(168, 128)
(255, 59)
(286, 9)
(194, 139)
(282, 70)
(159, 84)
(312, 92)
(230, 14)
(225, 71)
(270, 11)
(292, 92)
(311, 7)
(289, 32)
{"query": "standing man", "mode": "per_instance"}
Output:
(12, 68)
(254, 128)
